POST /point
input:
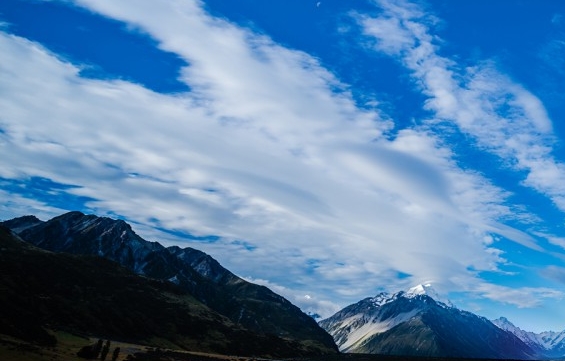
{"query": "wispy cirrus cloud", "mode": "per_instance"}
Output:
(502, 116)
(555, 273)
(268, 149)
(522, 297)
(309, 303)
(15, 205)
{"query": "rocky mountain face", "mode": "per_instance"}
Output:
(413, 323)
(548, 344)
(251, 306)
(42, 291)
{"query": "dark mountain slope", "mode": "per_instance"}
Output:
(92, 295)
(251, 306)
(262, 309)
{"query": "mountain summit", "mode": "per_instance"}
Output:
(254, 307)
(416, 323)
(427, 290)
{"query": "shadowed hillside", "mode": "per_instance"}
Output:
(41, 290)
(250, 306)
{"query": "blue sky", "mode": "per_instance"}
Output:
(330, 150)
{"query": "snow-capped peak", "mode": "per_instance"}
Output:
(427, 290)
(420, 290)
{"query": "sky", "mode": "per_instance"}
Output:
(329, 150)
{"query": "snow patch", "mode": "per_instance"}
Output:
(373, 327)
(382, 299)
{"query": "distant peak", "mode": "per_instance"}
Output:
(504, 323)
(71, 214)
(19, 224)
(30, 218)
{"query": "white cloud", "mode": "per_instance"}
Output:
(522, 297)
(308, 303)
(555, 273)
(14, 205)
(268, 148)
(501, 115)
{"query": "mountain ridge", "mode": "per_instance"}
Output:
(549, 343)
(254, 307)
(91, 295)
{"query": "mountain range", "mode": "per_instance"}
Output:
(418, 322)
(247, 306)
(549, 344)
(95, 275)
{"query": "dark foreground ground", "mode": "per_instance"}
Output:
(169, 355)
(360, 357)
(68, 345)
